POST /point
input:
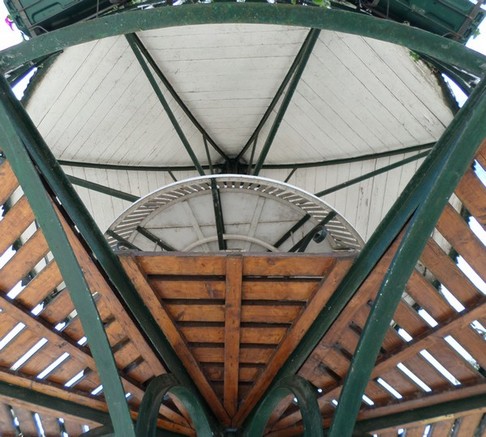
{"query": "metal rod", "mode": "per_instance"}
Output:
(122, 240)
(309, 45)
(176, 96)
(301, 245)
(152, 237)
(294, 228)
(462, 138)
(254, 136)
(41, 203)
(290, 174)
(131, 38)
(211, 170)
(102, 189)
(371, 174)
(252, 155)
(172, 176)
(218, 214)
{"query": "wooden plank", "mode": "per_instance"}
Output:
(295, 334)
(181, 264)
(16, 221)
(422, 369)
(6, 420)
(173, 336)
(41, 286)
(234, 270)
(254, 335)
(473, 343)
(457, 232)
(472, 193)
(442, 429)
(254, 355)
(8, 182)
(416, 431)
(167, 288)
(468, 425)
(427, 296)
(448, 273)
(481, 155)
(285, 265)
(400, 382)
(23, 261)
(26, 421)
(293, 290)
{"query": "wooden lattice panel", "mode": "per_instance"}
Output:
(430, 329)
(235, 318)
(42, 342)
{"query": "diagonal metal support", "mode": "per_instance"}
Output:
(372, 174)
(102, 189)
(14, 141)
(218, 214)
(457, 147)
(304, 58)
(302, 244)
(133, 45)
(254, 136)
(152, 237)
(294, 228)
(176, 96)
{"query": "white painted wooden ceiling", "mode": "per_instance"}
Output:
(356, 96)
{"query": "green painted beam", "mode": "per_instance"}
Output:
(304, 394)
(132, 41)
(421, 414)
(372, 174)
(102, 189)
(13, 140)
(458, 145)
(443, 49)
(306, 53)
(56, 404)
(218, 214)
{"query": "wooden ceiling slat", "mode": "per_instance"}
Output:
(481, 155)
(457, 232)
(6, 424)
(416, 431)
(473, 343)
(9, 182)
(16, 221)
(472, 194)
(303, 265)
(420, 367)
(59, 308)
(26, 421)
(408, 319)
(427, 296)
(468, 425)
(337, 269)
(399, 382)
(296, 290)
(175, 289)
(41, 286)
(182, 265)
(234, 270)
(448, 273)
(24, 260)
(173, 335)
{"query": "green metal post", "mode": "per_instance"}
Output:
(72, 273)
(309, 46)
(304, 394)
(133, 44)
(462, 138)
(158, 388)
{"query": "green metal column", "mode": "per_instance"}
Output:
(14, 146)
(458, 145)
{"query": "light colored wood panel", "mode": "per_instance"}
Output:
(472, 193)
(16, 221)
(175, 289)
(23, 261)
(181, 265)
(8, 182)
(468, 424)
(304, 265)
(234, 269)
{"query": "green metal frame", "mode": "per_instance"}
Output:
(438, 175)
(442, 49)
(158, 388)
(305, 395)
(14, 140)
